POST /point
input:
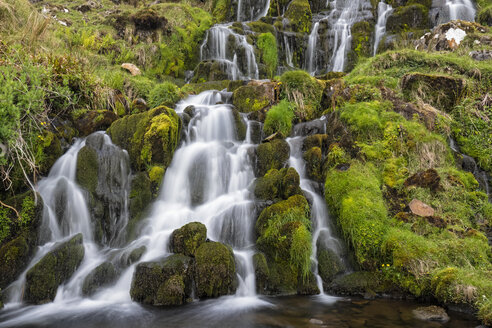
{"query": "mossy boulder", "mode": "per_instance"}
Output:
(314, 163)
(284, 237)
(141, 196)
(316, 140)
(95, 120)
(210, 70)
(262, 272)
(278, 184)
(188, 238)
(164, 282)
(254, 97)
(239, 124)
(271, 155)
(55, 268)
(440, 91)
(329, 264)
(149, 137)
(103, 275)
(362, 33)
(299, 15)
(215, 273)
(87, 169)
(406, 18)
(14, 257)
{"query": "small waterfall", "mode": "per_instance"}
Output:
(232, 50)
(384, 11)
(443, 11)
(311, 50)
(321, 230)
(251, 10)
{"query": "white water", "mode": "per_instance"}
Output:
(311, 50)
(224, 46)
(249, 10)
(461, 9)
(319, 214)
(384, 11)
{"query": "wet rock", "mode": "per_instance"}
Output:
(420, 208)
(210, 70)
(239, 124)
(431, 313)
(133, 69)
(215, 272)
(261, 272)
(103, 275)
(256, 131)
(140, 195)
(316, 140)
(55, 268)
(425, 179)
(329, 264)
(309, 128)
(188, 238)
(413, 16)
(95, 120)
(481, 55)
(271, 155)
(441, 91)
(314, 164)
(254, 97)
(278, 184)
(164, 282)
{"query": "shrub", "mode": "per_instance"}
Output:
(268, 47)
(164, 94)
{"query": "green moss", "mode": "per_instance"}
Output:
(87, 169)
(103, 275)
(336, 156)
(329, 264)
(361, 43)
(215, 270)
(164, 94)
(262, 272)
(314, 163)
(484, 17)
(251, 98)
(278, 184)
(267, 43)
(271, 155)
(405, 18)
(261, 27)
(299, 15)
(55, 268)
(188, 238)
(279, 119)
(304, 91)
(355, 196)
(196, 88)
(221, 10)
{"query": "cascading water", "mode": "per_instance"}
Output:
(311, 50)
(443, 11)
(251, 10)
(235, 55)
(384, 11)
(319, 214)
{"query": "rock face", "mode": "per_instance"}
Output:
(431, 313)
(187, 239)
(102, 275)
(55, 268)
(134, 70)
(421, 209)
(215, 273)
(164, 282)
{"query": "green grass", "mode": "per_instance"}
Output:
(279, 119)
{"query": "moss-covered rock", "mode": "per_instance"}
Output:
(361, 43)
(210, 70)
(299, 15)
(14, 257)
(405, 18)
(284, 237)
(440, 91)
(95, 120)
(262, 272)
(239, 124)
(103, 275)
(271, 155)
(164, 282)
(278, 184)
(87, 169)
(254, 97)
(55, 268)
(215, 273)
(329, 264)
(188, 238)
(362, 283)
(314, 163)
(149, 137)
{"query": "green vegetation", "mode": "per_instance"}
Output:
(279, 119)
(269, 56)
(164, 94)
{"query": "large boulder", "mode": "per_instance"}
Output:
(149, 137)
(103, 275)
(188, 238)
(271, 155)
(299, 15)
(254, 96)
(215, 273)
(55, 268)
(164, 282)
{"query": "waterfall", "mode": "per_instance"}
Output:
(231, 50)
(319, 213)
(384, 11)
(251, 10)
(443, 11)
(311, 50)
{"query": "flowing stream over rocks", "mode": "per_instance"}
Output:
(384, 11)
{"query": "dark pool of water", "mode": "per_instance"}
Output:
(295, 311)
